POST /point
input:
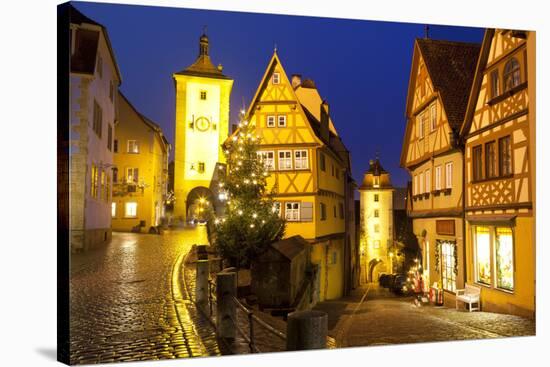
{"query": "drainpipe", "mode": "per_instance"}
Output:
(464, 260)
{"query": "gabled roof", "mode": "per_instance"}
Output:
(476, 85)
(451, 67)
(334, 143)
(86, 44)
(290, 247)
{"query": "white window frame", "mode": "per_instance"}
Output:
(438, 177)
(428, 176)
(276, 79)
(135, 144)
(287, 160)
(128, 211)
(449, 175)
(270, 121)
(421, 183)
(281, 121)
(292, 214)
(301, 162)
(268, 162)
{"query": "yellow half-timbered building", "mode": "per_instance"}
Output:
(310, 172)
(500, 173)
(440, 81)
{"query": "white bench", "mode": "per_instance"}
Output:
(469, 295)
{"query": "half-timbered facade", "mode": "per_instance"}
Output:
(310, 171)
(499, 174)
(439, 85)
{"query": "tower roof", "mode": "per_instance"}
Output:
(376, 168)
(203, 66)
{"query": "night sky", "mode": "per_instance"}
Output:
(360, 67)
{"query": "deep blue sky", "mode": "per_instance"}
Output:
(360, 67)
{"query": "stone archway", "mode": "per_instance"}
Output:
(375, 268)
(199, 201)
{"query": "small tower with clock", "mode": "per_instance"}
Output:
(201, 126)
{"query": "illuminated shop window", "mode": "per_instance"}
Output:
(113, 209)
(504, 251)
(448, 266)
(483, 254)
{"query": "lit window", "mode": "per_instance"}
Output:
(376, 213)
(115, 175)
(438, 178)
(130, 209)
(93, 181)
(268, 159)
(448, 266)
(281, 120)
(203, 95)
(376, 197)
(483, 254)
(270, 121)
(292, 211)
(132, 175)
(512, 77)
(504, 251)
(133, 146)
(113, 209)
(276, 78)
(300, 159)
(376, 182)
(103, 192)
(285, 159)
(449, 175)
(277, 208)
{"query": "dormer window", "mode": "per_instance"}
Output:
(276, 78)
(376, 182)
(512, 77)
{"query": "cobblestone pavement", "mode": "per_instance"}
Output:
(128, 302)
(377, 317)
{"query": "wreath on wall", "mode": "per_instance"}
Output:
(455, 253)
(437, 255)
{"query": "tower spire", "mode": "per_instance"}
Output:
(426, 31)
(203, 43)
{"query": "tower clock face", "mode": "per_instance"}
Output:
(202, 123)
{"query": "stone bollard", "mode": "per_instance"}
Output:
(201, 285)
(226, 312)
(306, 330)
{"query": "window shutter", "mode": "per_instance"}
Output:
(306, 212)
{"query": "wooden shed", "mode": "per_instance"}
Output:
(279, 272)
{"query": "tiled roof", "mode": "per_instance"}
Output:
(203, 66)
(451, 66)
(376, 168)
(290, 247)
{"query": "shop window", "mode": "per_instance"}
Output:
(483, 254)
(504, 254)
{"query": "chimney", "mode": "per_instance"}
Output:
(324, 121)
(296, 80)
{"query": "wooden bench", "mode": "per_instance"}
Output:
(469, 295)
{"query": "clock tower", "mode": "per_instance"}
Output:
(201, 127)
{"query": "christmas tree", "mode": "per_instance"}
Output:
(249, 222)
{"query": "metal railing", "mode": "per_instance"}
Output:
(248, 335)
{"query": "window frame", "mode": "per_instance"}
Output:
(421, 125)
(513, 73)
(301, 159)
(433, 117)
(134, 176)
(323, 211)
(203, 95)
(113, 209)
(280, 160)
(428, 178)
(296, 211)
(491, 160)
(322, 162)
(281, 118)
(502, 156)
(263, 155)
(494, 77)
(448, 175)
(270, 121)
(136, 145)
(276, 78)
(438, 178)
(376, 198)
(135, 211)
(477, 163)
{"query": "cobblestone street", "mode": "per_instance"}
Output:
(128, 302)
(381, 318)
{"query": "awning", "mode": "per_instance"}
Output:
(506, 219)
